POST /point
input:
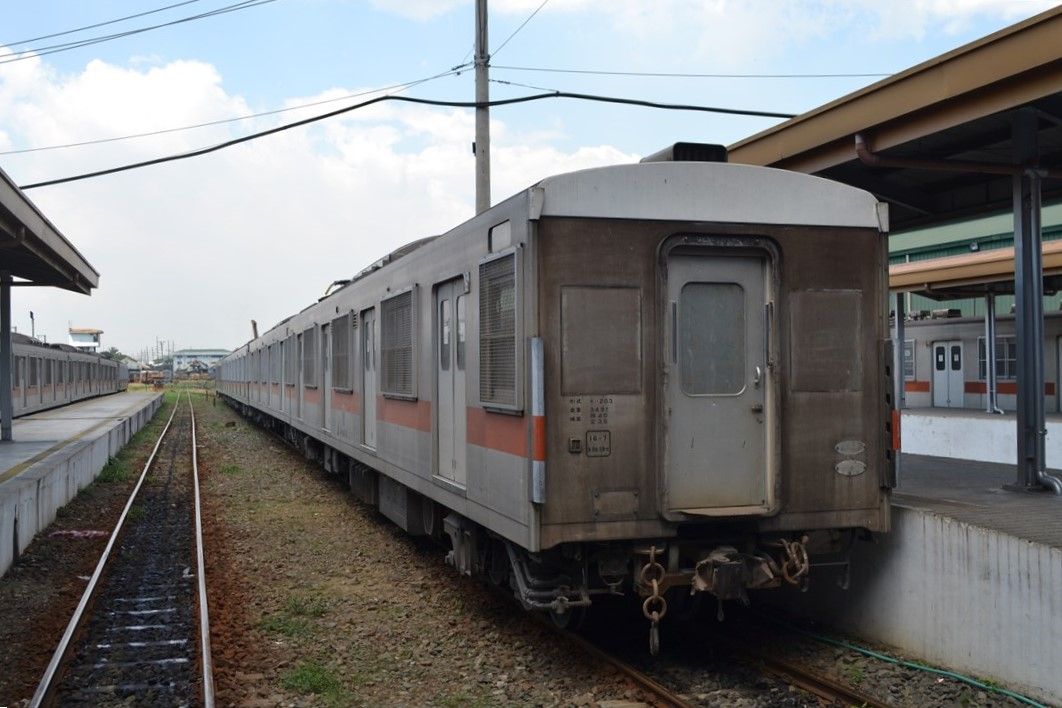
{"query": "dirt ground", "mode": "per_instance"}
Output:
(40, 591)
(316, 599)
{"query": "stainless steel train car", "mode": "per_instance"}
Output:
(667, 378)
(49, 375)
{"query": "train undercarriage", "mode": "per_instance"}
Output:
(670, 576)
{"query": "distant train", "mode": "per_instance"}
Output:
(48, 375)
(666, 378)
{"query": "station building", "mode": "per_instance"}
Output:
(86, 339)
(185, 360)
(944, 350)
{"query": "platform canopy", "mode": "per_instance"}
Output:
(973, 274)
(959, 107)
(33, 250)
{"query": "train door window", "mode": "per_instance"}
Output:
(497, 332)
(461, 332)
(444, 335)
(368, 380)
(712, 338)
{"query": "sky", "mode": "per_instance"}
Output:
(190, 251)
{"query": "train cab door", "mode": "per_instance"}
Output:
(451, 419)
(715, 391)
(326, 376)
(368, 378)
(949, 385)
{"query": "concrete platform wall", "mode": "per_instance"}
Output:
(954, 595)
(976, 436)
(29, 502)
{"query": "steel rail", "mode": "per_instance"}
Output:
(50, 673)
(207, 662)
(811, 681)
(662, 692)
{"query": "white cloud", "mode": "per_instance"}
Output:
(192, 250)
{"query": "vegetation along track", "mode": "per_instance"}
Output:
(140, 634)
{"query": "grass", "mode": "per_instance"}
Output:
(462, 700)
(116, 470)
(294, 619)
(136, 513)
(855, 674)
(286, 625)
(231, 470)
(306, 606)
(312, 677)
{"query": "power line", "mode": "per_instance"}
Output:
(657, 74)
(517, 30)
(35, 52)
(408, 99)
(222, 121)
(98, 24)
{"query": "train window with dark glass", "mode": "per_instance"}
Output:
(341, 335)
(497, 331)
(33, 370)
(939, 356)
(461, 299)
(598, 354)
(309, 357)
(396, 345)
(711, 338)
(444, 335)
(291, 361)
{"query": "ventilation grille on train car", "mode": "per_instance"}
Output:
(396, 344)
(497, 331)
(341, 333)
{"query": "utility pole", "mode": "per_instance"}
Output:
(482, 145)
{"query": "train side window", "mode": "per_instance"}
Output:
(500, 237)
(309, 357)
(461, 299)
(33, 370)
(396, 346)
(290, 361)
(497, 331)
(341, 336)
(939, 357)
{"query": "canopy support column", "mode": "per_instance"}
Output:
(6, 359)
(1029, 317)
(991, 387)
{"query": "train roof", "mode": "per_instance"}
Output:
(709, 191)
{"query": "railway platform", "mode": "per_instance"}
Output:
(968, 578)
(57, 453)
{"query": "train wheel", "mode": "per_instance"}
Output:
(431, 517)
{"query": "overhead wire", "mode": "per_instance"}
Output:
(222, 121)
(682, 75)
(406, 99)
(35, 52)
(98, 24)
(517, 30)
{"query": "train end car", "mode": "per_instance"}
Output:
(670, 379)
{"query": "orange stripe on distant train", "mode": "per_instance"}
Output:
(497, 431)
(409, 414)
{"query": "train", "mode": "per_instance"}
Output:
(669, 379)
(47, 376)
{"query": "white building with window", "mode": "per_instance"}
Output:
(187, 360)
(87, 339)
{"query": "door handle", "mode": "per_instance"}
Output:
(757, 376)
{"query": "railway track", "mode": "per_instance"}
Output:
(677, 678)
(140, 633)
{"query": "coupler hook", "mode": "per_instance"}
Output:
(655, 606)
